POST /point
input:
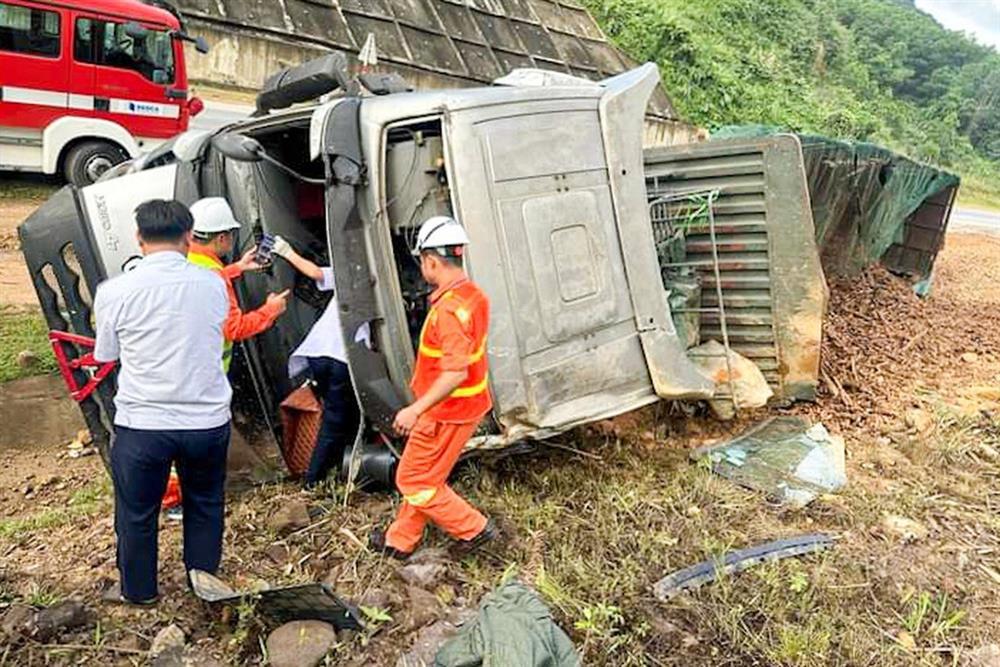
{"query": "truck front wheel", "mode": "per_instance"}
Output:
(86, 161)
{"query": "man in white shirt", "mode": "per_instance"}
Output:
(322, 353)
(162, 321)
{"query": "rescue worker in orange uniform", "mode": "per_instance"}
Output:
(214, 234)
(214, 227)
(451, 385)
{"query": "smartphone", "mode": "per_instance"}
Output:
(265, 250)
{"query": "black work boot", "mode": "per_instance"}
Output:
(376, 542)
(490, 533)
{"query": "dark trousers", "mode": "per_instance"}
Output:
(140, 466)
(340, 416)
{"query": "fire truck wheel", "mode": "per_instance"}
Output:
(86, 161)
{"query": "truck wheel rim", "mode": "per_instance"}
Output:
(96, 166)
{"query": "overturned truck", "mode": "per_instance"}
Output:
(568, 231)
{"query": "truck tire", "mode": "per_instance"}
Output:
(86, 161)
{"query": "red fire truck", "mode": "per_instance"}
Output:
(86, 84)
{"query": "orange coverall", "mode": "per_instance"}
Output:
(453, 338)
(238, 326)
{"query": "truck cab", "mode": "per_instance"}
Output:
(87, 85)
(548, 181)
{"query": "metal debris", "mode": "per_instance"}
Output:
(708, 571)
(281, 605)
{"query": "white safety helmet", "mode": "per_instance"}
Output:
(439, 233)
(213, 215)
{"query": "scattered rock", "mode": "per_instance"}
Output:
(26, 359)
(278, 553)
(134, 643)
(970, 357)
(293, 516)
(18, 621)
(169, 639)
(425, 569)
(300, 644)
(172, 657)
(919, 420)
(50, 480)
(984, 656)
(903, 529)
(377, 598)
(426, 644)
(65, 615)
(424, 607)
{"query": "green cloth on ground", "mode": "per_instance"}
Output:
(514, 628)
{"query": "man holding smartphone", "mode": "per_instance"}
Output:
(214, 238)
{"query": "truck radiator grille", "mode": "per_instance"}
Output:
(742, 245)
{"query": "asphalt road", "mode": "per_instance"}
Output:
(974, 220)
(217, 114)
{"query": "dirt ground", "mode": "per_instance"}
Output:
(912, 385)
(20, 195)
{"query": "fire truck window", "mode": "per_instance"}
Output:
(106, 43)
(30, 31)
(83, 41)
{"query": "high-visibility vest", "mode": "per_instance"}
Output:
(209, 262)
(471, 400)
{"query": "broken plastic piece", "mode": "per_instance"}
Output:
(738, 381)
(708, 571)
(282, 605)
(784, 457)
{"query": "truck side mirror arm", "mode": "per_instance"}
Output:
(200, 45)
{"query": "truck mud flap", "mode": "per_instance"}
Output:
(773, 288)
(59, 252)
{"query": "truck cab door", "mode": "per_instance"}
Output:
(134, 79)
(80, 58)
(553, 197)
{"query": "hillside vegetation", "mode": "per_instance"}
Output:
(874, 70)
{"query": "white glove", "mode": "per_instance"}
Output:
(282, 248)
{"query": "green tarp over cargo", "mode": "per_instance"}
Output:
(870, 204)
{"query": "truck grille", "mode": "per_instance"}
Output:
(742, 244)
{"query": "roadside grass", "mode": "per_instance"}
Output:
(593, 532)
(16, 186)
(90, 500)
(980, 193)
(593, 537)
(24, 329)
